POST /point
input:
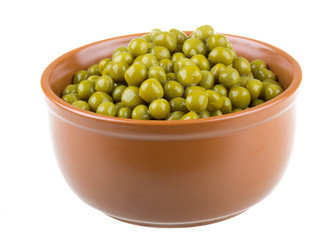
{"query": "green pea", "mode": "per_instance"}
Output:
(159, 108)
(173, 89)
(141, 112)
(272, 91)
(131, 97)
(215, 101)
(189, 75)
(82, 105)
(193, 46)
(160, 52)
(221, 55)
(201, 62)
(117, 71)
(158, 73)
(124, 112)
(189, 116)
(227, 106)
(208, 79)
(178, 104)
(254, 86)
(86, 88)
(150, 90)
(165, 39)
(220, 89)
(107, 108)
(216, 40)
(229, 77)
(240, 97)
(104, 84)
(71, 88)
(71, 97)
(135, 74)
(80, 76)
(197, 101)
(203, 32)
(176, 115)
(138, 46)
(117, 92)
(97, 98)
(242, 65)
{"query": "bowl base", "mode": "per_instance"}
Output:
(177, 224)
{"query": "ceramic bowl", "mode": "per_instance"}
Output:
(172, 173)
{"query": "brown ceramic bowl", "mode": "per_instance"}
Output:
(172, 173)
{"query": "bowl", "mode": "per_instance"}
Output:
(172, 173)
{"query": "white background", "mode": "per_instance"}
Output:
(36, 203)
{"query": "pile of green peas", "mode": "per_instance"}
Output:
(167, 75)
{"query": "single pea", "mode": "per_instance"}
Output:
(93, 77)
(150, 90)
(256, 64)
(193, 46)
(119, 50)
(215, 101)
(189, 75)
(254, 86)
(242, 65)
(180, 36)
(124, 112)
(201, 61)
(102, 64)
(220, 89)
(165, 39)
(160, 52)
(104, 84)
(256, 102)
(272, 81)
(107, 69)
(71, 98)
(97, 98)
(176, 115)
(107, 108)
(80, 76)
(131, 97)
(159, 108)
(272, 91)
(93, 70)
(71, 88)
(82, 105)
(158, 73)
(189, 116)
(147, 38)
(123, 56)
(167, 65)
(141, 112)
(208, 80)
(117, 92)
(243, 80)
(203, 32)
(176, 56)
(147, 60)
(240, 97)
(137, 47)
(193, 89)
(197, 101)
(119, 105)
(182, 62)
(262, 93)
(263, 74)
(117, 71)
(172, 89)
(171, 76)
(220, 55)
(229, 77)
(216, 113)
(86, 88)
(215, 70)
(153, 32)
(204, 114)
(135, 74)
(216, 40)
(178, 104)
(227, 106)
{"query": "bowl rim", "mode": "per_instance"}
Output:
(50, 95)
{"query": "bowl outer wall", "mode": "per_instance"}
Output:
(172, 171)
